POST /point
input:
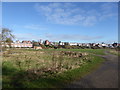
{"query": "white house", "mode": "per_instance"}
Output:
(21, 45)
(62, 43)
(73, 44)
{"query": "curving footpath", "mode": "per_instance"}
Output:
(106, 76)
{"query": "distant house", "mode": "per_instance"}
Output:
(103, 44)
(115, 44)
(73, 44)
(61, 43)
(55, 43)
(47, 42)
(26, 44)
(79, 44)
(118, 44)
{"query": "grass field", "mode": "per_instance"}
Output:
(92, 51)
(49, 68)
(114, 52)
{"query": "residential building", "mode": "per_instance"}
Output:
(47, 42)
(73, 44)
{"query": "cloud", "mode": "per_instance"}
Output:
(28, 27)
(108, 10)
(73, 37)
(34, 27)
(74, 14)
(90, 19)
(26, 36)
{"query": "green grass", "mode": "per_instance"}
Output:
(114, 52)
(93, 51)
(15, 78)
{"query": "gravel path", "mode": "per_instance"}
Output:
(106, 76)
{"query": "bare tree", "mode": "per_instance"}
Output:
(6, 36)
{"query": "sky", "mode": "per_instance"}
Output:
(83, 22)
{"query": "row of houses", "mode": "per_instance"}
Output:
(89, 44)
(29, 44)
(19, 44)
(86, 44)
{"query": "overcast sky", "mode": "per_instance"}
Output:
(82, 22)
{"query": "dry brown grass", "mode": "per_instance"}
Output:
(41, 62)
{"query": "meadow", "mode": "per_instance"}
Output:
(114, 52)
(47, 68)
